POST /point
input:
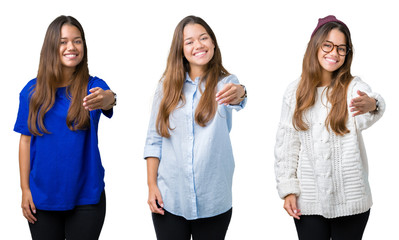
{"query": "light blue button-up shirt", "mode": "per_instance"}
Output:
(196, 165)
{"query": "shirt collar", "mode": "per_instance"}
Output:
(188, 79)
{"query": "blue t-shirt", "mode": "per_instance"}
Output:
(65, 165)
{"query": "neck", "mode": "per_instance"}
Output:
(66, 77)
(325, 79)
(195, 72)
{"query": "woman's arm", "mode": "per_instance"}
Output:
(154, 195)
(366, 106)
(24, 168)
(287, 148)
(152, 154)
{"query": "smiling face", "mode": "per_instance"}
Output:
(71, 47)
(332, 61)
(198, 47)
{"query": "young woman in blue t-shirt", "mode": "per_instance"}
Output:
(189, 156)
(60, 166)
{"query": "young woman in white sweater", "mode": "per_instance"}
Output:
(321, 163)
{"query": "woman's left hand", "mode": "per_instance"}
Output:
(98, 99)
(362, 104)
(230, 94)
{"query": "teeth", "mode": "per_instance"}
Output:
(331, 60)
(70, 55)
(199, 54)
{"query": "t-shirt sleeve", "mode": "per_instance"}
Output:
(98, 82)
(21, 124)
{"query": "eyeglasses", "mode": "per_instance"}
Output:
(328, 46)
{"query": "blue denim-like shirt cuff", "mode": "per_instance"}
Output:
(239, 106)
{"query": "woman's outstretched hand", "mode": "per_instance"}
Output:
(230, 94)
(362, 104)
(98, 99)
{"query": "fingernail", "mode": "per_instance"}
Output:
(34, 211)
(295, 211)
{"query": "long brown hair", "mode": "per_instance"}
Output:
(50, 75)
(174, 76)
(311, 77)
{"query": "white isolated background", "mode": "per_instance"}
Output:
(262, 42)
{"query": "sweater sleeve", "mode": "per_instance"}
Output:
(287, 148)
(366, 120)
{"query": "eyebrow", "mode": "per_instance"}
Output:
(205, 33)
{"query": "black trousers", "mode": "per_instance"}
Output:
(314, 227)
(82, 223)
(172, 227)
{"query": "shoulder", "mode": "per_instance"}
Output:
(94, 80)
(357, 80)
(290, 91)
(358, 84)
(293, 85)
(28, 89)
(97, 82)
(230, 79)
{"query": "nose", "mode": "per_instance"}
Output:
(198, 44)
(335, 50)
(71, 46)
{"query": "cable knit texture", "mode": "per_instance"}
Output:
(327, 172)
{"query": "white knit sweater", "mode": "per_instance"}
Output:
(327, 172)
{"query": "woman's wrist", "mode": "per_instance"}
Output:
(111, 102)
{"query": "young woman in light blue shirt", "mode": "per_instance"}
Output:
(189, 156)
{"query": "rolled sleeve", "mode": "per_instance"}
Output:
(153, 143)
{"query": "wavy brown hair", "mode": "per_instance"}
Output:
(49, 77)
(311, 78)
(175, 74)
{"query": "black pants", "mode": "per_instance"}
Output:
(172, 227)
(82, 223)
(315, 227)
